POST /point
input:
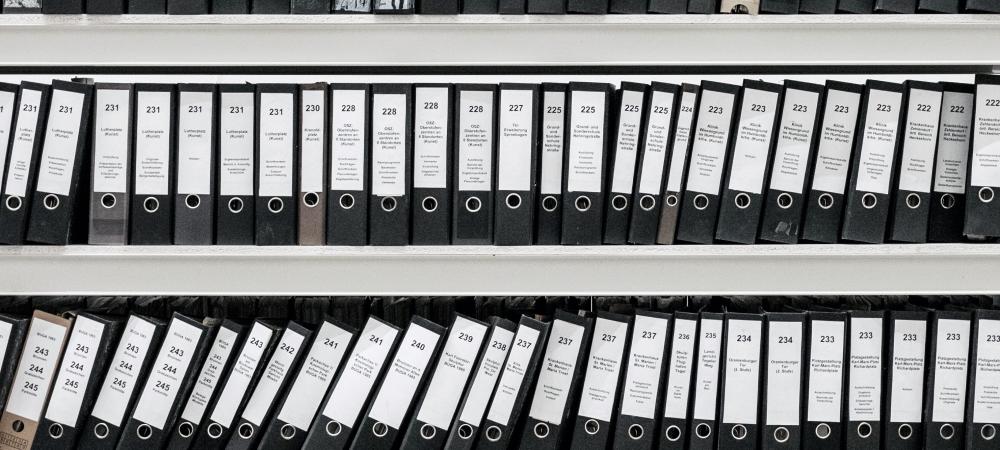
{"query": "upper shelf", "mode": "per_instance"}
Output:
(491, 40)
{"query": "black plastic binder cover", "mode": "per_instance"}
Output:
(14, 210)
(779, 6)
(230, 6)
(147, 6)
(152, 216)
(62, 7)
(703, 7)
(856, 6)
(347, 211)
(896, 6)
(106, 6)
(818, 6)
(432, 205)
(270, 6)
(310, 7)
(234, 214)
(188, 6)
(545, 7)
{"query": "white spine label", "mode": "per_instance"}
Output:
(486, 376)
(909, 341)
(753, 140)
(475, 140)
(627, 142)
(516, 142)
(361, 372)
(878, 141)
(864, 385)
(389, 145)
(276, 145)
(986, 408)
(557, 371)
(194, 143)
(123, 373)
(706, 387)
(919, 140)
(681, 364)
(152, 143)
(784, 373)
(953, 142)
(985, 170)
(168, 373)
(586, 141)
(209, 376)
(514, 371)
(112, 133)
(600, 385)
(553, 124)
(62, 135)
(35, 369)
(654, 152)
(311, 138)
(826, 371)
(711, 136)
(951, 366)
(454, 367)
(430, 138)
(240, 375)
(795, 137)
(74, 371)
(236, 143)
(742, 371)
(401, 381)
(317, 372)
(23, 143)
(273, 377)
(642, 378)
(836, 141)
(347, 142)
(682, 137)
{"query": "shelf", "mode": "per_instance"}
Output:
(464, 270)
(490, 40)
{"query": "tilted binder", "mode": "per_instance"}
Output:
(112, 162)
(783, 380)
(341, 408)
(22, 165)
(643, 385)
(741, 376)
(8, 107)
(677, 167)
(630, 123)
(429, 426)
(313, 149)
(350, 150)
(553, 124)
(907, 359)
(982, 413)
(797, 138)
(475, 158)
(517, 379)
(704, 416)
(947, 379)
(391, 164)
(235, 212)
(676, 418)
(825, 204)
(433, 137)
(747, 170)
(982, 214)
(602, 379)
(194, 198)
(866, 368)
(710, 149)
(827, 350)
(152, 207)
(133, 357)
(947, 204)
(657, 144)
(517, 164)
(911, 199)
(275, 160)
(13, 331)
(588, 112)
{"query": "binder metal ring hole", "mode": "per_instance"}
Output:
(55, 431)
(947, 201)
(988, 432)
(785, 200)
(647, 202)
(50, 201)
(864, 430)
(549, 203)
(108, 201)
(739, 432)
(905, 431)
(582, 203)
(619, 202)
(186, 429)
(473, 204)
(347, 201)
(700, 202)
(275, 205)
(144, 431)
(673, 433)
(192, 201)
(513, 201)
(14, 203)
(235, 205)
(465, 431)
(781, 434)
(380, 429)
(912, 201)
(869, 200)
(430, 204)
(246, 431)
(671, 200)
(214, 430)
(947, 431)
(541, 430)
(101, 430)
(310, 199)
(151, 204)
(334, 428)
(635, 431)
(493, 433)
(591, 426)
(287, 432)
(823, 431)
(825, 201)
(18, 426)
(742, 200)
(427, 431)
(388, 204)
(986, 194)
(703, 430)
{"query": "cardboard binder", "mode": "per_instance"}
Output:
(947, 379)
(433, 125)
(647, 195)
(552, 136)
(313, 147)
(825, 380)
(911, 199)
(783, 375)
(276, 168)
(982, 414)
(152, 208)
(111, 165)
(517, 164)
(475, 160)
(592, 427)
(982, 214)
(947, 205)
(22, 165)
(630, 123)
(907, 358)
(194, 198)
(704, 423)
(644, 383)
(677, 167)
(866, 368)
(798, 135)
(587, 132)
(350, 150)
(673, 432)
(391, 164)
(234, 222)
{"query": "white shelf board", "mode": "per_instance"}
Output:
(489, 40)
(466, 270)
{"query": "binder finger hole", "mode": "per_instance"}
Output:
(513, 201)
(947, 431)
(822, 431)
(430, 204)
(287, 431)
(988, 432)
(214, 431)
(671, 200)
(869, 200)
(275, 205)
(739, 432)
(912, 200)
(465, 431)
(647, 202)
(151, 204)
(703, 430)
(742, 200)
(864, 430)
(947, 201)
(14, 203)
(473, 204)
(50, 201)
(235, 205)
(388, 204)
(986, 194)
(619, 202)
(101, 430)
(673, 433)
(192, 201)
(493, 433)
(591, 426)
(346, 201)
(334, 428)
(246, 431)
(635, 431)
(186, 429)
(18, 426)
(825, 201)
(700, 201)
(310, 199)
(380, 429)
(781, 434)
(549, 203)
(427, 431)
(108, 201)
(55, 431)
(582, 203)
(784, 200)
(905, 431)
(144, 431)
(541, 430)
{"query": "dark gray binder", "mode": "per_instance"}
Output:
(194, 193)
(111, 164)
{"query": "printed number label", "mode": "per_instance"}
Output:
(710, 336)
(587, 109)
(170, 369)
(499, 345)
(715, 109)
(125, 366)
(236, 110)
(82, 348)
(608, 337)
(465, 337)
(119, 382)
(41, 351)
(744, 338)
(377, 340)
(29, 108)
(958, 109)
(312, 108)
(431, 105)
(993, 338)
(758, 108)
(865, 335)
(785, 340)
(649, 335)
(388, 111)
(909, 337)
(176, 351)
(554, 110)
(523, 343)
(65, 109)
(515, 108)
(330, 343)
(826, 339)
(132, 348)
(72, 384)
(108, 107)
(687, 109)
(565, 341)
(952, 337)
(800, 108)
(841, 109)
(476, 108)
(75, 365)
(194, 108)
(35, 368)
(256, 342)
(31, 386)
(162, 385)
(684, 336)
(418, 345)
(152, 110)
(993, 102)
(348, 108)
(883, 107)
(661, 110)
(275, 111)
(287, 348)
(631, 108)
(923, 108)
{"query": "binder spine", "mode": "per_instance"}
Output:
(111, 165)
(948, 196)
(647, 194)
(194, 198)
(517, 164)
(947, 377)
(911, 199)
(22, 167)
(825, 380)
(15, 330)
(475, 164)
(276, 139)
(673, 432)
(553, 125)
(866, 371)
(677, 168)
(432, 163)
(588, 108)
(643, 385)
(982, 214)
(314, 145)
(392, 164)
(783, 380)
(907, 350)
(151, 219)
(981, 415)
(350, 143)
(592, 425)
(630, 122)
(741, 374)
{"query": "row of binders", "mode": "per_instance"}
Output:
(497, 6)
(508, 164)
(736, 373)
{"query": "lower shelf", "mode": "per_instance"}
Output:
(465, 270)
